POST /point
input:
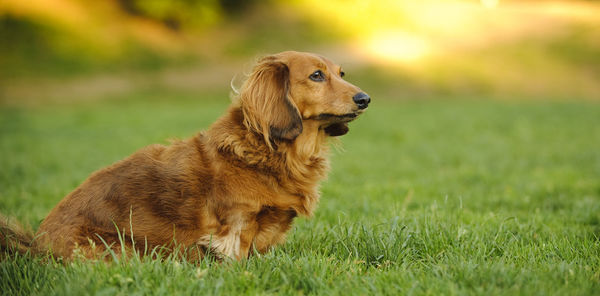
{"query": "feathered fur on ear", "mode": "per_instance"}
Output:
(265, 103)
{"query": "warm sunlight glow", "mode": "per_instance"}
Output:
(405, 31)
(490, 3)
(397, 47)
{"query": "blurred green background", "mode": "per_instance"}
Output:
(475, 170)
(77, 49)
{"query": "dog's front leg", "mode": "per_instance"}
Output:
(233, 239)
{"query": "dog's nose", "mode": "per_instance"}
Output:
(362, 100)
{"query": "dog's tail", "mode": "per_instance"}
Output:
(14, 238)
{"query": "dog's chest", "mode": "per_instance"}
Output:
(272, 225)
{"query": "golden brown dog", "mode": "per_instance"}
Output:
(234, 187)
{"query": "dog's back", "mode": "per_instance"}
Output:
(157, 194)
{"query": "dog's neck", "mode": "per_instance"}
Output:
(298, 165)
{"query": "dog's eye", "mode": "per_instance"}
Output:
(342, 73)
(317, 76)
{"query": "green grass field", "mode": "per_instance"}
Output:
(432, 197)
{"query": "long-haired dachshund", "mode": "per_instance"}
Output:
(234, 188)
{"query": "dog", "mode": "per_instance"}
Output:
(231, 190)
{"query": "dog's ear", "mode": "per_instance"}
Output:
(266, 105)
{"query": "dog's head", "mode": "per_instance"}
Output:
(289, 88)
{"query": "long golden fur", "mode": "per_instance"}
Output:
(231, 189)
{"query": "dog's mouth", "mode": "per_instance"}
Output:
(337, 129)
(337, 125)
(336, 118)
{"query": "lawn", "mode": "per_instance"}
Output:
(434, 197)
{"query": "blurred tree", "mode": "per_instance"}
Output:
(234, 7)
(175, 13)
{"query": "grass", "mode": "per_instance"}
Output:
(426, 197)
